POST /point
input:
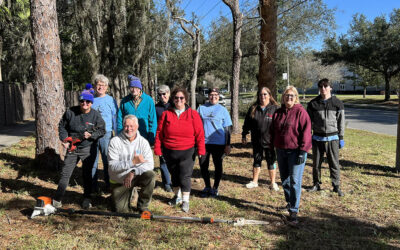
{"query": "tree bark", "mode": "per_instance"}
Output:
(267, 52)
(387, 87)
(237, 17)
(48, 82)
(398, 136)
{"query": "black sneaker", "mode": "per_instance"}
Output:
(205, 192)
(337, 190)
(168, 188)
(314, 188)
(293, 218)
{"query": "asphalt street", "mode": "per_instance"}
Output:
(374, 120)
(10, 135)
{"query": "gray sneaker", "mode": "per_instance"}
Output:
(185, 206)
(175, 201)
(56, 204)
(87, 203)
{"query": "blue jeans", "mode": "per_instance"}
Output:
(102, 145)
(291, 176)
(165, 175)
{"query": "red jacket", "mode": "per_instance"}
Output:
(291, 128)
(180, 134)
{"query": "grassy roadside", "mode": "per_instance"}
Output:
(366, 217)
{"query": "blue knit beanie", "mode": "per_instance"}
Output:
(88, 86)
(134, 82)
(86, 95)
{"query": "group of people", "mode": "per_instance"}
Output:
(124, 137)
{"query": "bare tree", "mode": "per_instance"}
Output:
(398, 130)
(267, 51)
(237, 17)
(195, 36)
(48, 81)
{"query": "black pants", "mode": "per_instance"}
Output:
(180, 165)
(260, 153)
(217, 151)
(332, 152)
(87, 155)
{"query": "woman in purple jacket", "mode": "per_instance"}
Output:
(291, 130)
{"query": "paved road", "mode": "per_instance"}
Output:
(10, 135)
(374, 120)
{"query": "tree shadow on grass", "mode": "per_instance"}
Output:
(384, 175)
(351, 164)
(329, 231)
(19, 186)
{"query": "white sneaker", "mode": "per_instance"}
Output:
(275, 187)
(87, 203)
(251, 185)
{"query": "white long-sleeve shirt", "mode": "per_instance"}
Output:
(121, 152)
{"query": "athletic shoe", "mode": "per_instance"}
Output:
(175, 201)
(214, 192)
(56, 204)
(87, 203)
(337, 190)
(251, 185)
(274, 187)
(283, 209)
(314, 188)
(205, 192)
(185, 206)
(293, 218)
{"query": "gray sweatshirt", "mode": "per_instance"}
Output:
(121, 152)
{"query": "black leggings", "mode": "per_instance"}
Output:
(217, 151)
(180, 165)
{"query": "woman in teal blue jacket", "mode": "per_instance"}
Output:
(142, 106)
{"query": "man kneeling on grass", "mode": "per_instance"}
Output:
(130, 165)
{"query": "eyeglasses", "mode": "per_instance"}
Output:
(213, 95)
(162, 94)
(263, 94)
(323, 86)
(101, 85)
(179, 97)
(87, 102)
(290, 96)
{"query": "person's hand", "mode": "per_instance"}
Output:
(244, 140)
(227, 150)
(301, 158)
(87, 135)
(128, 179)
(341, 144)
(65, 145)
(137, 159)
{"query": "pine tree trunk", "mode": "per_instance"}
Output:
(365, 92)
(398, 137)
(1, 55)
(267, 52)
(48, 82)
(237, 17)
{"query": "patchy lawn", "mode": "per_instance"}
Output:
(367, 217)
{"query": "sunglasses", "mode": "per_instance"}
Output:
(323, 86)
(179, 97)
(162, 94)
(264, 94)
(87, 102)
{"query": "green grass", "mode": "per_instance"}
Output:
(367, 217)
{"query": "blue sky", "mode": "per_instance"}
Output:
(209, 10)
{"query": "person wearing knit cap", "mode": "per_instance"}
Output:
(84, 126)
(141, 105)
(89, 88)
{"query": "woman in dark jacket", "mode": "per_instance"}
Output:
(79, 129)
(291, 130)
(179, 132)
(258, 120)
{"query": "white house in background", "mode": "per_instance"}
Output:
(348, 86)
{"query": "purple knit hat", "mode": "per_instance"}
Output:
(86, 95)
(134, 82)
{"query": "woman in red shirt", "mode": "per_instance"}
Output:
(179, 133)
